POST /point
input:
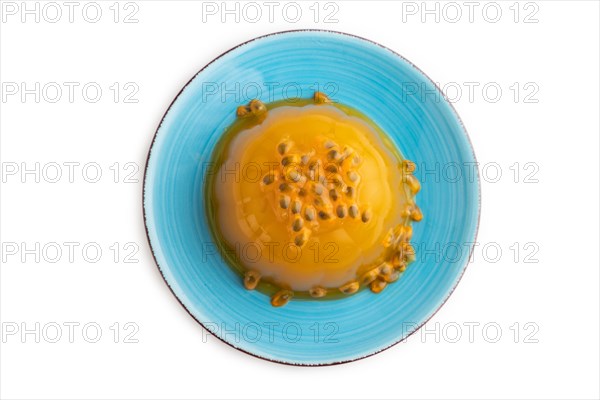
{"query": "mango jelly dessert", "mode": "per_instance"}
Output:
(310, 200)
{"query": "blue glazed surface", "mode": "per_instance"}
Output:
(397, 97)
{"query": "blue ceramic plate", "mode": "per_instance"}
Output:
(395, 95)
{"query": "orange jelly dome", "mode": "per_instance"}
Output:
(307, 197)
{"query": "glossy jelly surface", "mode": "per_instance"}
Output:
(309, 197)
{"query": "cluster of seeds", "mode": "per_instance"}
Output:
(411, 211)
(315, 186)
(398, 252)
(254, 108)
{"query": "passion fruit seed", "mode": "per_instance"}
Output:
(352, 175)
(388, 240)
(281, 298)
(350, 287)
(385, 268)
(268, 179)
(329, 144)
(416, 214)
(284, 187)
(333, 194)
(412, 183)
(296, 206)
(321, 98)
(257, 107)
(309, 213)
(333, 155)
(366, 215)
(324, 215)
(341, 211)
(284, 201)
(254, 108)
(242, 111)
(332, 168)
(398, 263)
(408, 167)
(401, 235)
(292, 159)
(318, 189)
(409, 252)
(391, 277)
(337, 180)
(405, 233)
(317, 292)
(350, 191)
(407, 210)
(294, 175)
(251, 279)
(345, 154)
(378, 285)
(353, 211)
(301, 239)
(298, 224)
(369, 276)
(283, 147)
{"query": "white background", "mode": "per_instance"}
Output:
(547, 311)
